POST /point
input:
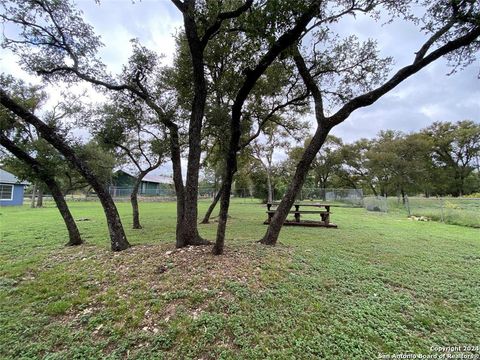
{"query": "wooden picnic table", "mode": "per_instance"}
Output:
(324, 214)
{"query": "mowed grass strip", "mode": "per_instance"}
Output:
(379, 284)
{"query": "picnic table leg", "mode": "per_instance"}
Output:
(327, 219)
(297, 217)
(270, 216)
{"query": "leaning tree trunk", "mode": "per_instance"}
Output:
(34, 194)
(217, 197)
(73, 233)
(366, 99)
(230, 169)
(252, 75)
(40, 198)
(301, 171)
(224, 205)
(118, 239)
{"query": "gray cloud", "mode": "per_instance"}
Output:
(426, 97)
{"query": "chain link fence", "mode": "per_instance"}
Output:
(449, 210)
(349, 197)
(456, 211)
(375, 203)
(339, 197)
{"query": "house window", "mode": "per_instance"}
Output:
(6, 192)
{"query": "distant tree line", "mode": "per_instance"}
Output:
(442, 159)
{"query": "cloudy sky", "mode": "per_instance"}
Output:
(426, 97)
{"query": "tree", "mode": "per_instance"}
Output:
(21, 141)
(263, 153)
(52, 135)
(327, 161)
(354, 169)
(278, 35)
(129, 129)
(348, 74)
(227, 55)
(32, 97)
(398, 162)
(455, 148)
(44, 173)
(55, 43)
(64, 48)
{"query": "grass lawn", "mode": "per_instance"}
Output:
(379, 284)
(454, 211)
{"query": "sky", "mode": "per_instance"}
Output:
(426, 97)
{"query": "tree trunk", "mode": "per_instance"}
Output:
(269, 188)
(462, 185)
(187, 197)
(34, 194)
(178, 182)
(252, 75)
(40, 198)
(217, 197)
(403, 196)
(188, 234)
(73, 233)
(134, 202)
(230, 169)
(118, 239)
(301, 172)
(224, 204)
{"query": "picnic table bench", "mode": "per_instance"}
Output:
(324, 215)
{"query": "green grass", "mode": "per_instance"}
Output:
(454, 211)
(379, 284)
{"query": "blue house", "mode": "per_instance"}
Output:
(11, 189)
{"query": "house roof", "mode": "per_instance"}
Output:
(153, 178)
(7, 178)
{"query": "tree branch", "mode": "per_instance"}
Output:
(310, 84)
(407, 71)
(212, 30)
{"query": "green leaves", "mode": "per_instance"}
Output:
(52, 38)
